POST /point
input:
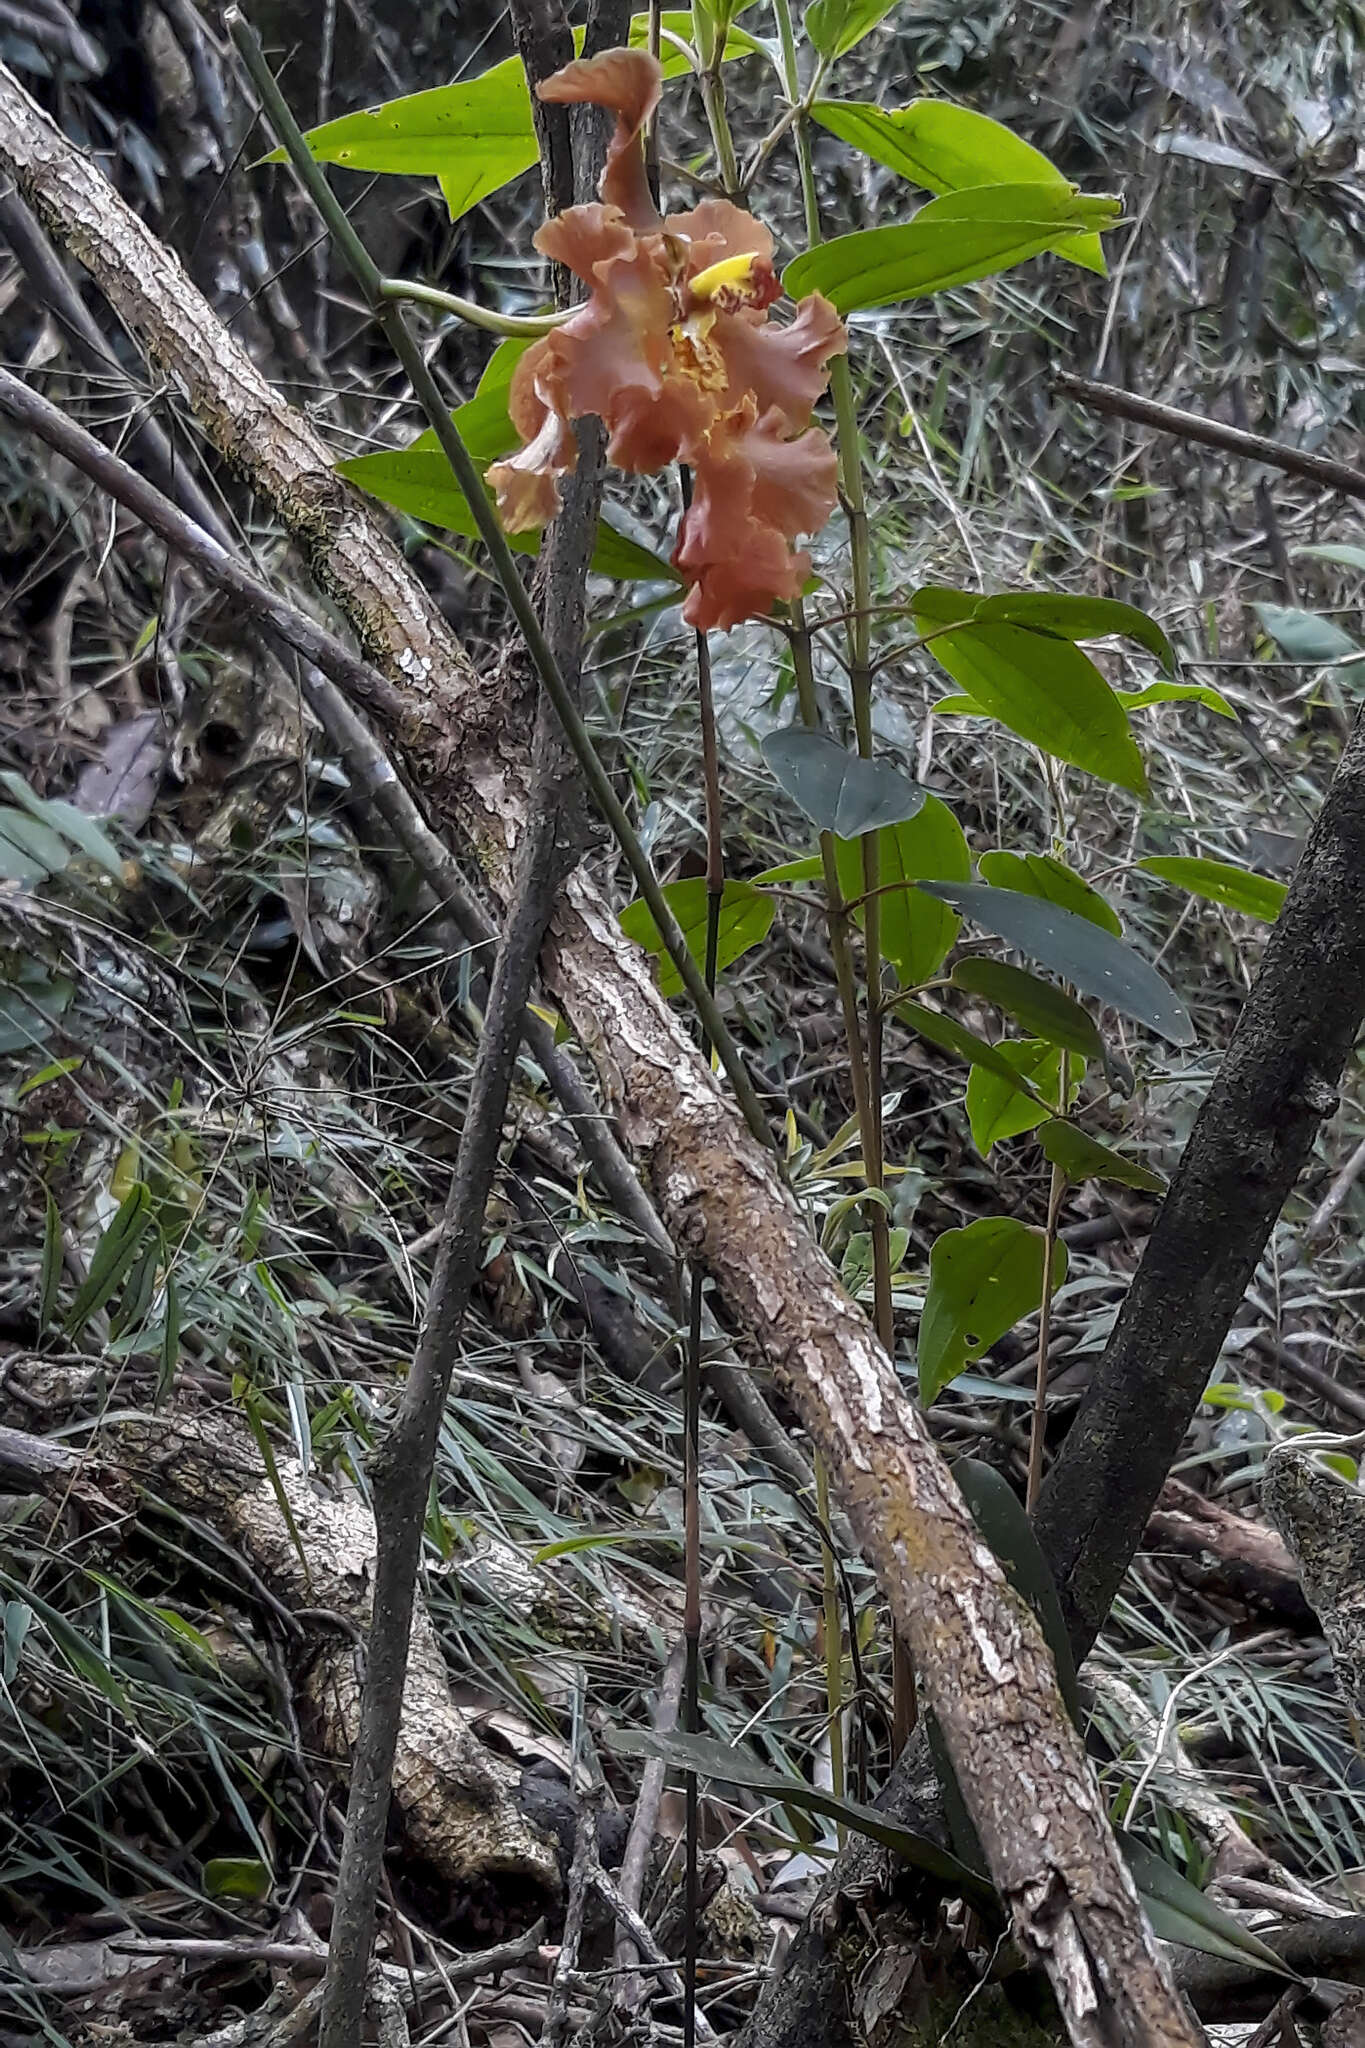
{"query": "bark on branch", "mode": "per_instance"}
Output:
(1020, 1763)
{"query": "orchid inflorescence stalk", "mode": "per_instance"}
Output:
(675, 353)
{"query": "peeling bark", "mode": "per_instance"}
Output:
(1019, 1761)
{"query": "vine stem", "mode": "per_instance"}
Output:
(860, 672)
(1056, 1196)
(472, 314)
(427, 393)
(834, 1643)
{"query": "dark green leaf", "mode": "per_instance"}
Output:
(837, 790)
(1305, 636)
(981, 1281)
(955, 1038)
(113, 1255)
(999, 1514)
(1082, 1157)
(1040, 686)
(1042, 1010)
(1090, 958)
(31, 1001)
(917, 935)
(50, 1277)
(951, 241)
(996, 1109)
(1218, 881)
(79, 831)
(745, 916)
(947, 148)
(713, 1759)
(1041, 611)
(1178, 1911)
(29, 852)
(1041, 874)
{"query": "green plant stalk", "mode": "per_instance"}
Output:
(860, 680)
(472, 314)
(710, 40)
(1055, 1198)
(389, 314)
(834, 1643)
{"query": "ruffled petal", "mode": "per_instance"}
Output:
(586, 239)
(615, 345)
(795, 482)
(651, 430)
(784, 367)
(526, 485)
(628, 84)
(737, 563)
(717, 228)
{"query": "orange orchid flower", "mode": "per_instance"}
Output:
(674, 352)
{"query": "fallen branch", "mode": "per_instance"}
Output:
(987, 1673)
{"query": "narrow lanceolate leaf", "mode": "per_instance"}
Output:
(1039, 685)
(833, 27)
(1090, 958)
(982, 1280)
(1219, 881)
(1042, 1010)
(1179, 1911)
(839, 791)
(917, 934)
(995, 1107)
(745, 916)
(951, 241)
(113, 1255)
(1175, 693)
(950, 1036)
(1346, 556)
(947, 148)
(1305, 636)
(73, 825)
(1042, 874)
(732, 1765)
(1082, 1157)
(999, 1514)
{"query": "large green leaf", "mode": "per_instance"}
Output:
(834, 26)
(947, 1033)
(474, 136)
(1041, 1009)
(999, 1514)
(1090, 958)
(732, 1765)
(951, 241)
(745, 916)
(917, 934)
(1218, 881)
(982, 1280)
(1039, 685)
(1042, 874)
(995, 1108)
(1178, 1911)
(1305, 636)
(947, 148)
(1082, 1157)
(839, 791)
(1078, 618)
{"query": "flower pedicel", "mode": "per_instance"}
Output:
(674, 352)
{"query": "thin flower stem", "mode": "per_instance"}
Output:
(390, 316)
(465, 309)
(1056, 1196)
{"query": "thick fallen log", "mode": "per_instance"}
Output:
(987, 1673)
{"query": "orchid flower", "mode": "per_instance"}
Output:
(674, 352)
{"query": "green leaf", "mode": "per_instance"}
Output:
(712, 1759)
(1041, 874)
(1082, 1157)
(474, 136)
(73, 825)
(946, 1032)
(1042, 611)
(1218, 881)
(981, 1281)
(951, 241)
(917, 935)
(1042, 1010)
(50, 1274)
(1091, 959)
(1347, 557)
(1174, 693)
(999, 1514)
(1042, 687)
(237, 1877)
(950, 149)
(995, 1108)
(810, 868)
(113, 1255)
(31, 1001)
(1305, 636)
(29, 852)
(1178, 1911)
(834, 26)
(839, 791)
(745, 916)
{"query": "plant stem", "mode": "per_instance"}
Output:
(1056, 1196)
(425, 389)
(834, 1643)
(467, 310)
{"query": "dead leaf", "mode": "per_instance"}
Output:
(124, 781)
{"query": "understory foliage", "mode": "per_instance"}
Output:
(1021, 716)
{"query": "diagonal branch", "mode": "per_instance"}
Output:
(986, 1671)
